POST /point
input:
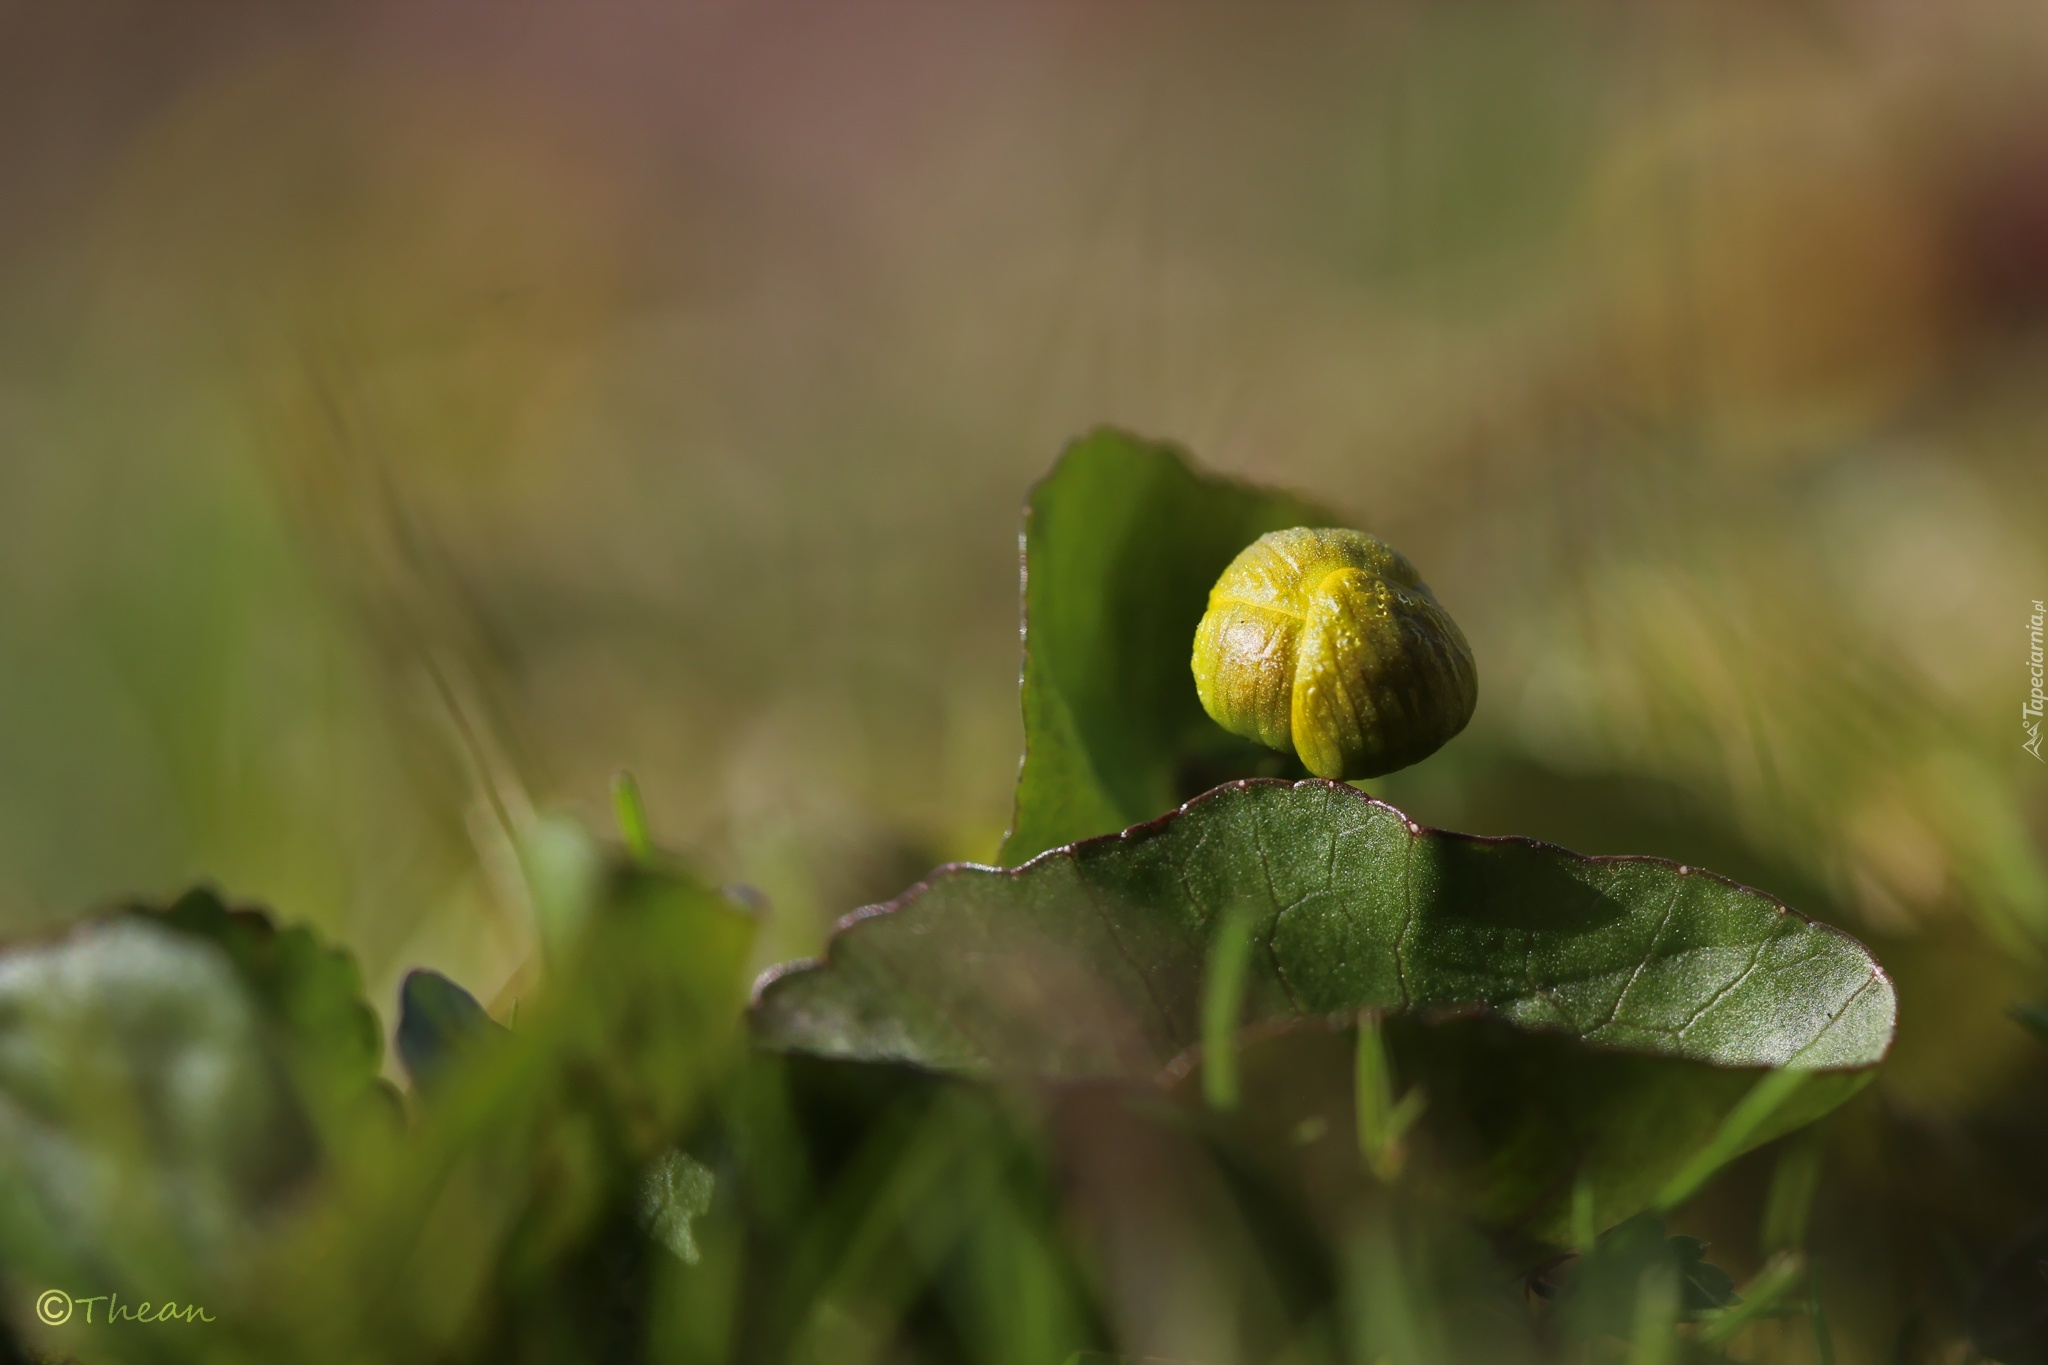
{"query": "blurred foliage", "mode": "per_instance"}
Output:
(537, 1199)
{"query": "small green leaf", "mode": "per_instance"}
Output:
(437, 1021)
(1605, 1294)
(674, 1193)
(1122, 542)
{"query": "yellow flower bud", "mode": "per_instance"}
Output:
(1327, 642)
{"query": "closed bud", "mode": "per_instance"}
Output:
(1327, 642)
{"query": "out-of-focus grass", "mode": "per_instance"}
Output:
(682, 424)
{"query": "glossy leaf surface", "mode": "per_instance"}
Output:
(1088, 962)
(1639, 1023)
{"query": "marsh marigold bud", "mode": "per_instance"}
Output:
(1327, 642)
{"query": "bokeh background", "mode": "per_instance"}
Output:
(410, 414)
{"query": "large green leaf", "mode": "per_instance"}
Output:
(1091, 962)
(1122, 542)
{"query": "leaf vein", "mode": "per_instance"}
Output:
(1649, 955)
(1756, 958)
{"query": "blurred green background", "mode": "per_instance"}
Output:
(411, 414)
